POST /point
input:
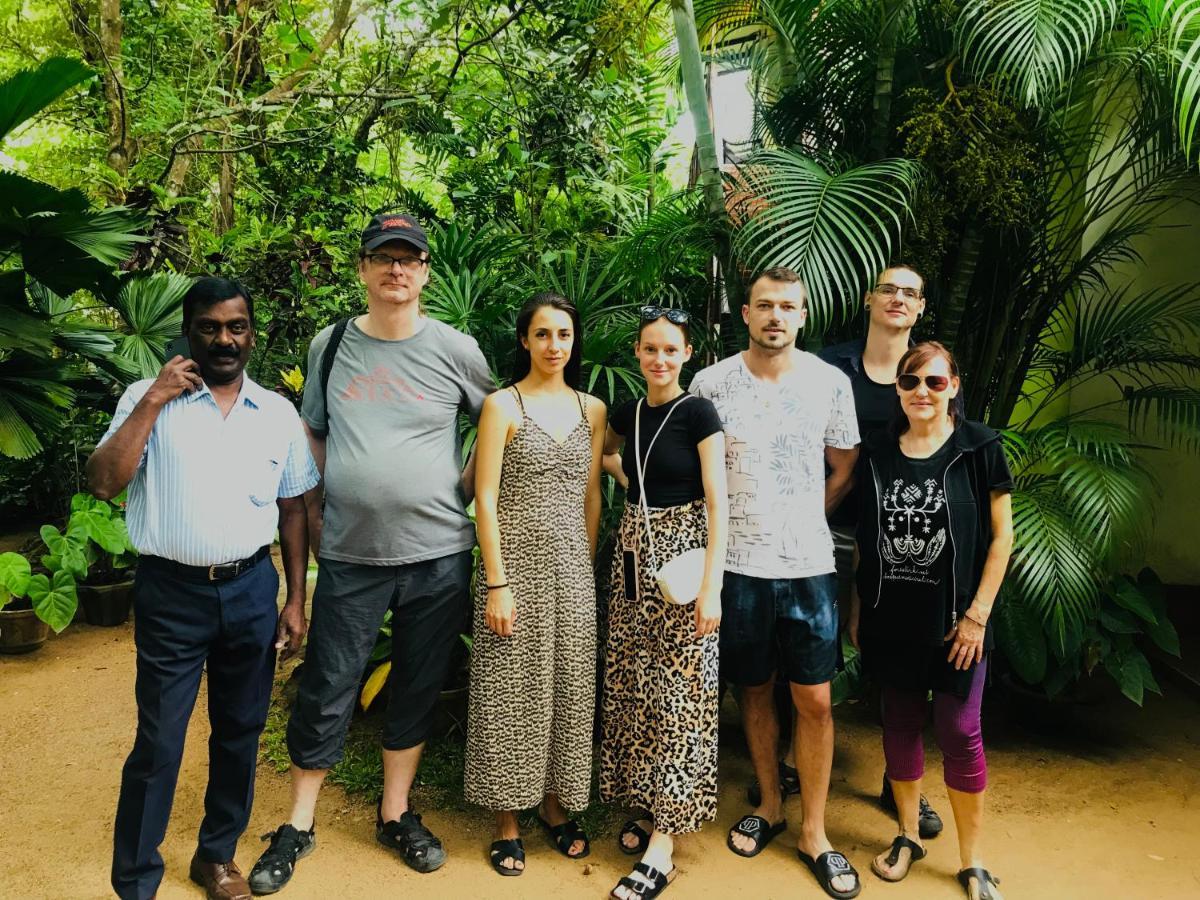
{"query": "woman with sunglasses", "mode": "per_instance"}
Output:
(533, 670)
(658, 751)
(934, 537)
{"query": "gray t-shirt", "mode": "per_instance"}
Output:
(393, 493)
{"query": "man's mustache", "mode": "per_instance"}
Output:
(231, 352)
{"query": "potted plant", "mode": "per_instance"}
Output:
(95, 549)
(31, 603)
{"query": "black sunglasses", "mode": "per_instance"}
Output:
(936, 383)
(677, 316)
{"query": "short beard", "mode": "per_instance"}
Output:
(772, 348)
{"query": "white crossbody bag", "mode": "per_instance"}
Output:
(680, 578)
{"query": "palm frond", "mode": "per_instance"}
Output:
(1173, 410)
(1053, 567)
(1184, 42)
(25, 94)
(835, 228)
(1033, 47)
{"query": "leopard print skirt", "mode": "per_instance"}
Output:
(658, 749)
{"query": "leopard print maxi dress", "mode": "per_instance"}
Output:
(532, 697)
(659, 746)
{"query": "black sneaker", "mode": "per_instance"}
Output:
(275, 867)
(418, 846)
(929, 823)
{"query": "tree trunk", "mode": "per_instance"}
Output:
(692, 65)
(101, 48)
(952, 317)
(885, 68)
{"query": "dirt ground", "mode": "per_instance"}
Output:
(1105, 806)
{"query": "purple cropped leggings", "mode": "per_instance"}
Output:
(955, 724)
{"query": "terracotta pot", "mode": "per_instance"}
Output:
(21, 631)
(106, 604)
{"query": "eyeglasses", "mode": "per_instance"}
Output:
(385, 261)
(676, 316)
(894, 290)
(936, 383)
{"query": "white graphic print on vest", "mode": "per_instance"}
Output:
(908, 543)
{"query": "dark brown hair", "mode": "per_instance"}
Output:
(522, 362)
(913, 359)
(783, 275)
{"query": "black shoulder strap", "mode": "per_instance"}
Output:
(331, 349)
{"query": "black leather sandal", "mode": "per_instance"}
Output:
(916, 852)
(650, 885)
(510, 848)
(985, 881)
(643, 838)
(758, 830)
(828, 866)
(565, 835)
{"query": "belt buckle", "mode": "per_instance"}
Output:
(215, 575)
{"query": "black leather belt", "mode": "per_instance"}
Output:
(219, 572)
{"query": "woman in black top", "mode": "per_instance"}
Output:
(658, 753)
(934, 537)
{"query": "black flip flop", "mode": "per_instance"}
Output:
(565, 835)
(916, 852)
(757, 829)
(828, 866)
(986, 880)
(511, 848)
(658, 882)
(642, 835)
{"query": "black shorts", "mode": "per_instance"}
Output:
(784, 625)
(430, 603)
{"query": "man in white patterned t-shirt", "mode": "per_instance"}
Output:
(786, 415)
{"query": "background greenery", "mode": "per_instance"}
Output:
(1015, 152)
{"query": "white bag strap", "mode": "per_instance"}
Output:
(637, 459)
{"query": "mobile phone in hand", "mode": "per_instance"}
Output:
(179, 347)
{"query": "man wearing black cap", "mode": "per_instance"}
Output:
(381, 407)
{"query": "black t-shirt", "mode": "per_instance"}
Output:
(915, 549)
(672, 471)
(875, 405)
(902, 635)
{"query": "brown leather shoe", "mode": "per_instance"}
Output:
(221, 881)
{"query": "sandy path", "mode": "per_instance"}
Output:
(1111, 810)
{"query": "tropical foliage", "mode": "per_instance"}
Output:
(1016, 153)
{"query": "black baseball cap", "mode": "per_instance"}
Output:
(394, 226)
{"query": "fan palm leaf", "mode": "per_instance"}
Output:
(151, 311)
(835, 228)
(26, 93)
(1034, 47)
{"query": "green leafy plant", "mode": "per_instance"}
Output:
(51, 595)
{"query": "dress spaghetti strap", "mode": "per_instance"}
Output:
(520, 401)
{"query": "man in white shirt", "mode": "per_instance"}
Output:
(786, 414)
(213, 463)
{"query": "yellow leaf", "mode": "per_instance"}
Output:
(293, 379)
(374, 685)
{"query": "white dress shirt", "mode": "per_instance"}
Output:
(205, 488)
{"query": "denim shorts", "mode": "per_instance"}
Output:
(787, 626)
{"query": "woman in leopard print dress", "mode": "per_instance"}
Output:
(658, 753)
(537, 504)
